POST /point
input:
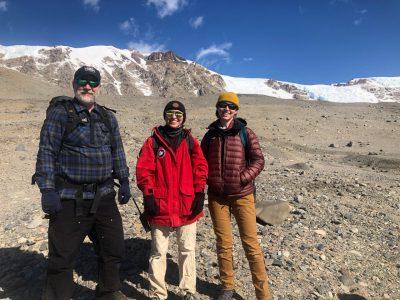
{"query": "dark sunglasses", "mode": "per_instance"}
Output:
(224, 104)
(84, 82)
(171, 113)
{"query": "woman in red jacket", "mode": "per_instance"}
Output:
(171, 172)
(235, 159)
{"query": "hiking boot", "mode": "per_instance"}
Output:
(226, 295)
(117, 295)
(188, 296)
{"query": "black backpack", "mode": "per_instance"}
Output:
(74, 119)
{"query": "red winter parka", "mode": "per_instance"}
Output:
(232, 172)
(173, 177)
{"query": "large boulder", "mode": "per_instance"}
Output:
(272, 213)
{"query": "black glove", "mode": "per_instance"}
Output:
(124, 192)
(51, 202)
(198, 203)
(150, 206)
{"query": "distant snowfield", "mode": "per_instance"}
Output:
(107, 58)
(344, 94)
(356, 90)
(255, 86)
(21, 50)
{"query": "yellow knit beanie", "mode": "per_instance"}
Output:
(229, 97)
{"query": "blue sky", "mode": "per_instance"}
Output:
(321, 41)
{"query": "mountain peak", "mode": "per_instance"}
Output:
(165, 56)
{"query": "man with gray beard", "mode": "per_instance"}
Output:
(80, 154)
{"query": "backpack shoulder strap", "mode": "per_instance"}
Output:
(107, 108)
(73, 118)
(243, 136)
(58, 100)
(190, 143)
(105, 116)
(206, 138)
(155, 144)
(106, 119)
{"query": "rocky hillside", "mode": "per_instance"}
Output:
(124, 72)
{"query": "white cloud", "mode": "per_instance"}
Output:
(197, 22)
(144, 47)
(216, 50)
(248, 59)
(360, 19)
(214, 56)
(167, 7)
(3, 5)
(129, 27)
(93, 4)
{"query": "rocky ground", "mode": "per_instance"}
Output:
(337, 165)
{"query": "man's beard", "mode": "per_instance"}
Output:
(79, 95)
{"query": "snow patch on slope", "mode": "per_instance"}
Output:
(343, 94)
(256, 86)
(21, 50)
(390, 82)
(141, 85)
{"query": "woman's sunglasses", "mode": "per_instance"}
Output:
(224, 104)
(171, 113)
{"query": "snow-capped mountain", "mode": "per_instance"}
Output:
(124, 72)
(129, 72)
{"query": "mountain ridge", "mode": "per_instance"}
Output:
(132, 73)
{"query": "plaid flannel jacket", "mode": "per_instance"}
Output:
(84, 156)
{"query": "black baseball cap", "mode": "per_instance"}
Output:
(87, 71)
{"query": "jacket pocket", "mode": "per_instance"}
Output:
(186, 200)
(243, 180)
(160, 195)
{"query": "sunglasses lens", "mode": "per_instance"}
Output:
(81, 82)
(93, 83)
(225, 104)
(170, 114)
(84, 82)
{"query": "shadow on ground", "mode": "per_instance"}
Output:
(351, 297)
(22, 273)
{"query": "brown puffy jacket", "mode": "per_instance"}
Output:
(231, 174)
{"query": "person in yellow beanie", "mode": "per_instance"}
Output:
(229, 97)
(234, 159)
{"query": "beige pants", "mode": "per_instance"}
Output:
(244, 212)
(186, 236)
